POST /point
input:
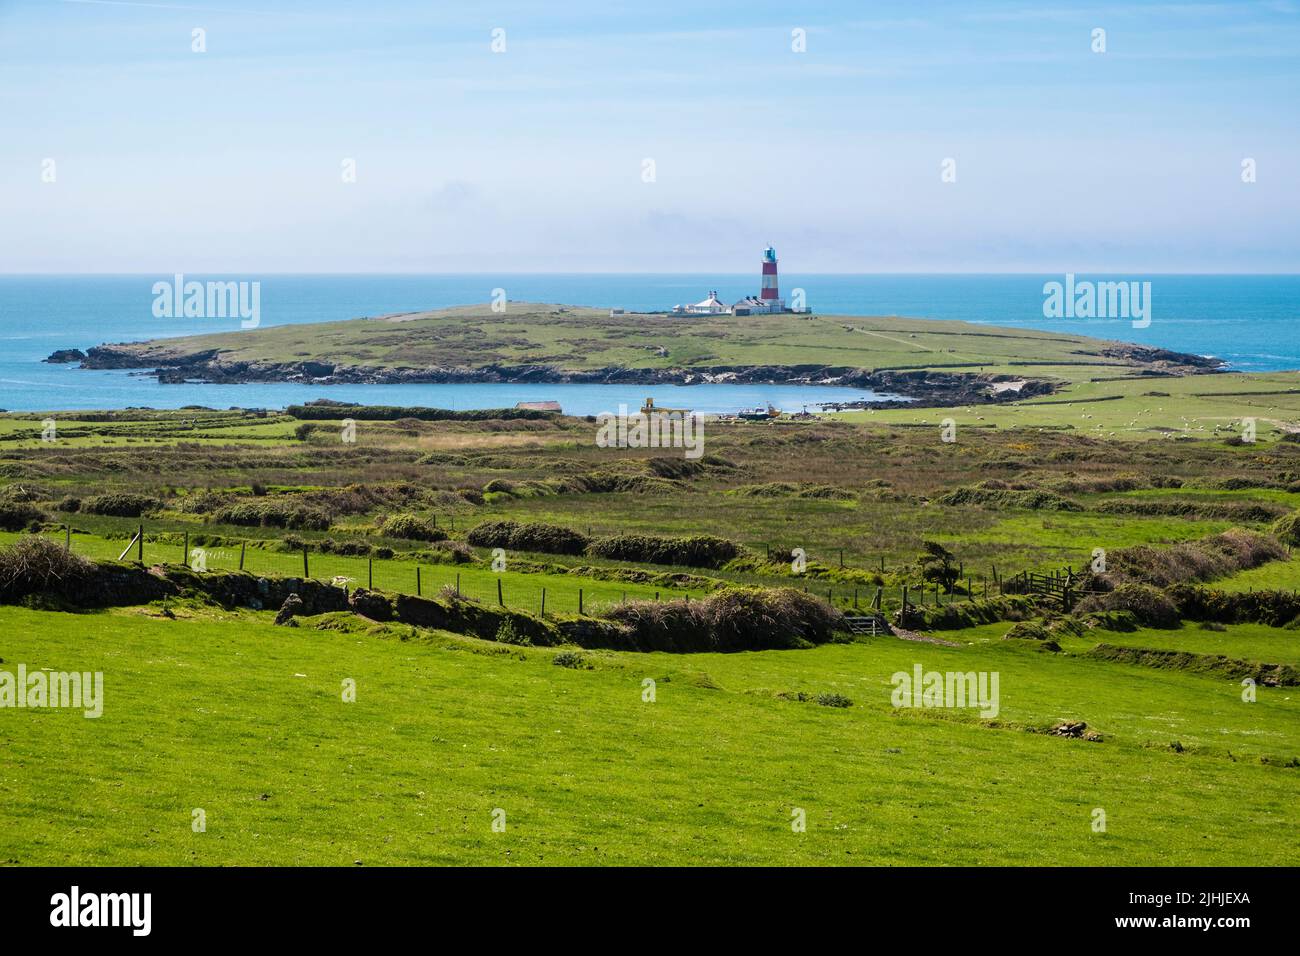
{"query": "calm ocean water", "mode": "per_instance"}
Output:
(1249, 321)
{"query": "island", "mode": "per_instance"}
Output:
(936, 363)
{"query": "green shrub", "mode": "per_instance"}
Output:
(1287, 529)
(956, 615)
(1007, 498)
(570, 659)
(19, 517)
(506, 634)
(833, 700)
(1205, 510)
(1028, 631)
(447, 552)
(697, 551)
(545, 538)
(272, 514)
(1150, 606)
(411, 527)
(1204, 559)
(1274, 608)
(120, 505)
(734, 619)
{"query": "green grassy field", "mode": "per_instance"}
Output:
(222, 711)
(570, 337)
(1092, 403)
(247, 722)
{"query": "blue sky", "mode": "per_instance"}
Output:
(230, 160)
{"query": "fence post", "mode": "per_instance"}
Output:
(543, 612)
(500, 600)
(417, 580)
(579, 600)
(879, 600)
(185, 550)
(855, 597)
(841, 557)
(141, 551)
(370, 573)
(656, 595)
(242, 546)
(67, 537)
(306, 570)
(457, 584)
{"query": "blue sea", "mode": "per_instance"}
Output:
(1248, 321)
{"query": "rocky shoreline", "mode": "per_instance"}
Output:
(932, 387)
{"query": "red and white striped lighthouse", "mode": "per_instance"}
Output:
(769, 294)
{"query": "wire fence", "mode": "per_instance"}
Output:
(529, 591)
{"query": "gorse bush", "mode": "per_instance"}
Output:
(1007, 498)
(203, 502)
(16, 516)
(1150, 606)
(507, 634)
(412, 527)
(1273, 608)
(1287, 529)
(833, 700)
(120, 505)
(571, 659)
(33, 564)
(272, 514)
(697, 551)
(447, 552)
(736, 619)
(1206, 510)
(786, 489)
(546, 538)
(1206, 558)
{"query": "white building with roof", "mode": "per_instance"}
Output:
(710, 306)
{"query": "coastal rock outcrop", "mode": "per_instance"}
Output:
(64, 356)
